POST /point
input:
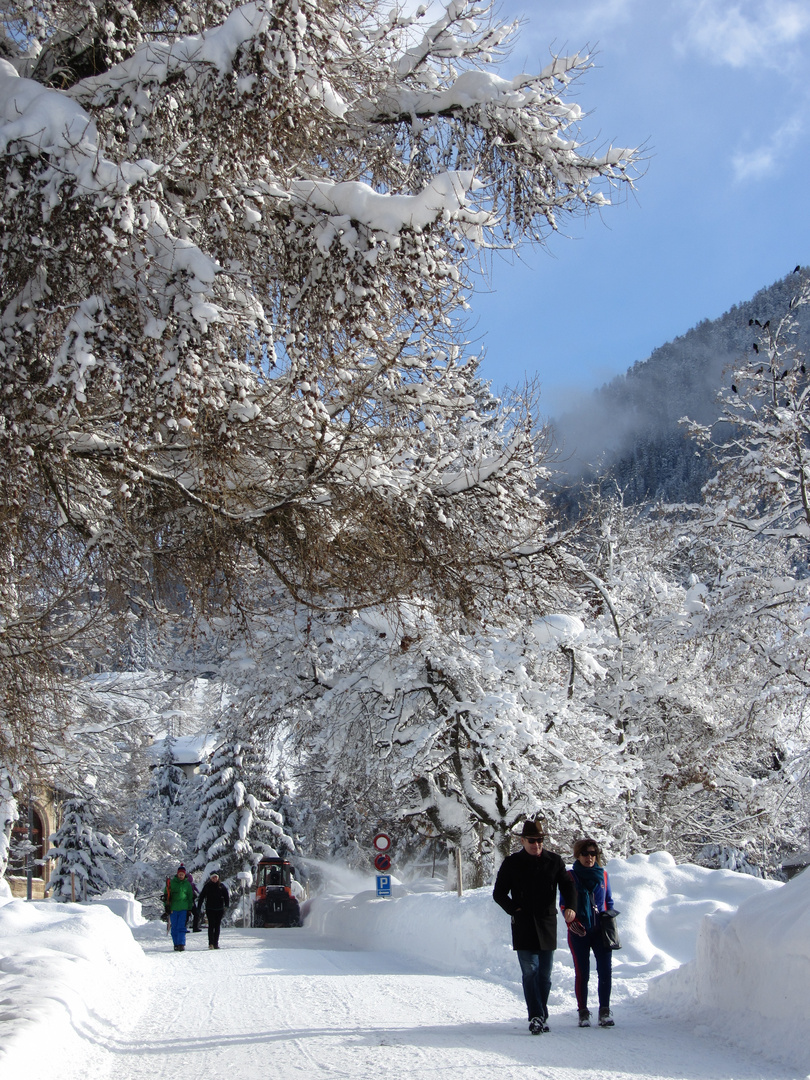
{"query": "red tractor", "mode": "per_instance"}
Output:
(277, 892)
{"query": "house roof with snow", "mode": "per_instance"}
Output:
(187, 749)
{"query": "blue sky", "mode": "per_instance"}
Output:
(718, 93)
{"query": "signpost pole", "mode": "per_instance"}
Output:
(382, 863)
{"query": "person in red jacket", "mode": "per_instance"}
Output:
(526, 888)
(585, 936)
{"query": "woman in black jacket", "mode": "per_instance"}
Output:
(216, 898)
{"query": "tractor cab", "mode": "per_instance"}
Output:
(277, 892)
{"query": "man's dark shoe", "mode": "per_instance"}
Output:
(537, 1025)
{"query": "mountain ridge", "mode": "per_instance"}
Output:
(630, 429)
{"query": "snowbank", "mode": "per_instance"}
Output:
(122, 904)
(750, 978)
(661, 904)
(66, 971)
(466, 935)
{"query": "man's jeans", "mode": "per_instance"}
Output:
(536, 970)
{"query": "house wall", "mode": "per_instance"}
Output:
(46, 809)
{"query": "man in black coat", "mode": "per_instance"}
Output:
(216, 899)
(526, 888)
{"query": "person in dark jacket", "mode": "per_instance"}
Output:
(584, 934)
(526, 888)
(215, 897)
(178, 900)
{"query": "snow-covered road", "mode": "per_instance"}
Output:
(290, 1004)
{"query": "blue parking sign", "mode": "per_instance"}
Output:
(383, 884)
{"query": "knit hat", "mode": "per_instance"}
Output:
(181, 867)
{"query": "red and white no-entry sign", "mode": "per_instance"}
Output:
(382, 842)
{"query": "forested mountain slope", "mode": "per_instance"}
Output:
(630, 427)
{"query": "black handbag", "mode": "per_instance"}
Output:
(608, 930)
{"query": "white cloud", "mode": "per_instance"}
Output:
(579, 21)
(605, 14)
(748, 33)
(766, 159)
(755, 164)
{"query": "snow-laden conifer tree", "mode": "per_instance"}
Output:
(167, 782)
(237, 248)
(84, 857)
(238, 824)
(158, 833)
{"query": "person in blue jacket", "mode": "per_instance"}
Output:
(584, 934)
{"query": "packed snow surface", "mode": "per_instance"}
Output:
(713, 982)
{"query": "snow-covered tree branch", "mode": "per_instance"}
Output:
(237, 248)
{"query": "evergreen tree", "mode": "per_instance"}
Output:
(238, 825)
(84, 857)
(167, 783)
(158, 836)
